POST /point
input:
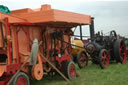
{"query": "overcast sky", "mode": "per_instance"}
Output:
(109, 14)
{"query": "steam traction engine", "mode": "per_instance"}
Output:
(102, 48)
(30, 38)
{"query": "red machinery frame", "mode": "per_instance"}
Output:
(11, 68)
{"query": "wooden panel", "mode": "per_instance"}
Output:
(35, 32)
(11, 18)
(17, 12)
(13, 36)
(23, 42)
(46, 14)
(38, 17)
(71, 17)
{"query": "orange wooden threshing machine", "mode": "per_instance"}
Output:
(25, 33)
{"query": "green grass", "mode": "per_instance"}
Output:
(115, 74)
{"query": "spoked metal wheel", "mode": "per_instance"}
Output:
(82, 59)
(104, 58)
(70, 70)
(21, 79)
(120, 51)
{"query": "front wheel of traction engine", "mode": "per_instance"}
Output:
(104, 58)
(70, 70)
(120, 51)
(21, 79)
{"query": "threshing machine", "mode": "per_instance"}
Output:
(30, 39)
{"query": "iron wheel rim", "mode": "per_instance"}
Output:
(123, 52)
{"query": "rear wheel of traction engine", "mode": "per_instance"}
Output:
(21, 79)
(104, 58)
(70, 70)
(120, 52)
(82, 59)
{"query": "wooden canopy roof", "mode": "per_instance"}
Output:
(46, 14)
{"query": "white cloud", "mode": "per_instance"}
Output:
(108, 15)
(16, 4)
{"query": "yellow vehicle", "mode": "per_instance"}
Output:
(79, 54)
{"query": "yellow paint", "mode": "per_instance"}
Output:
(76, 49)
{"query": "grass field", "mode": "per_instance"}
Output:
(115, 74)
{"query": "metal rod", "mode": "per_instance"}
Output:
(79, 36)
(81, 32)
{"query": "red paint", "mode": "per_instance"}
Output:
(84, 60)
(63, 58)
(24, 23)
(21, 81)
(11, 69)
(17, 45)
(3, 51)
(72, 71)
(123, 52)
(8, 42)
(4, 80)
(105, 59)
